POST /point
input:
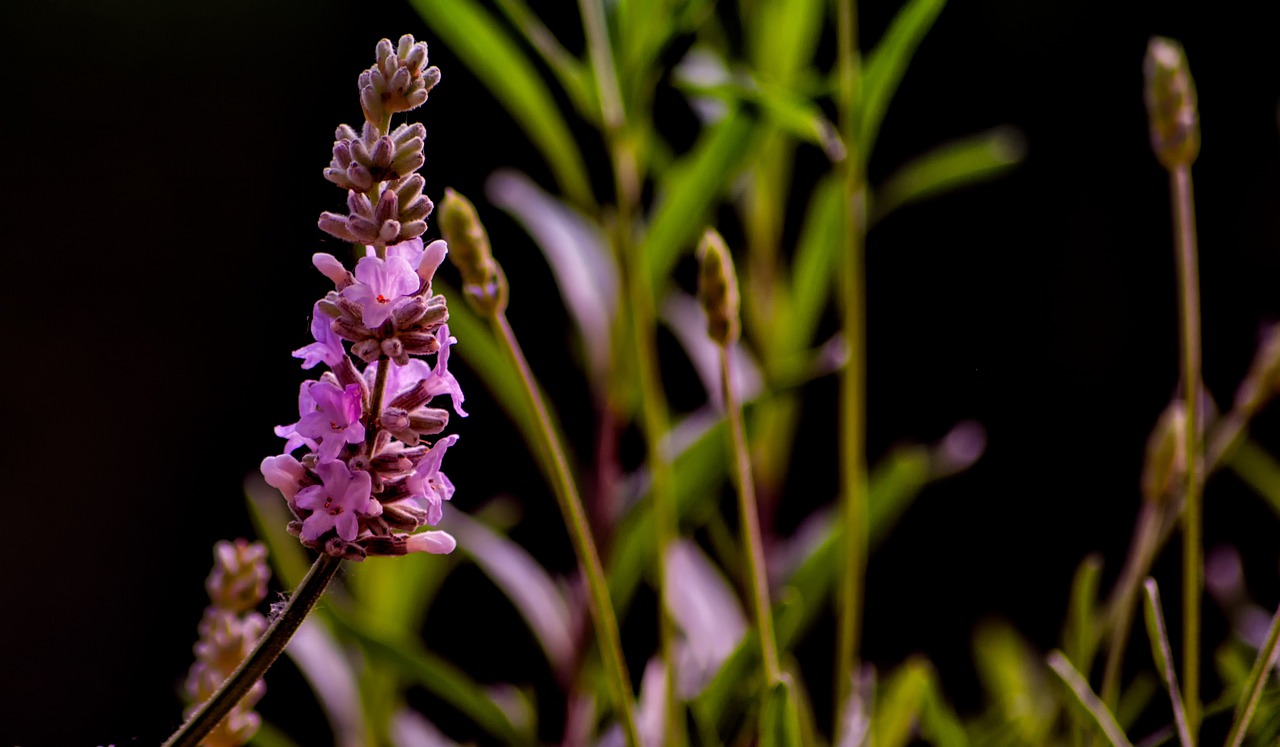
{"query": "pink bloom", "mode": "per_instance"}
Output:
(306, 404)
(336, 419)
(327, 348)
(441, 381)
(335, 503)
(284, 473)
(379, 285)
(437, 543)
(428, 484)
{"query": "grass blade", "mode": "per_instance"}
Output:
(949, 167)
(1088, 699)
(888, 62)
(494, 57)
(1252, 691)
(1163, 654)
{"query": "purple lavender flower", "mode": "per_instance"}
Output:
(441, 381)
(429, 485)
(327, 348)
(284, 473)
(336, 503)
(335, 420)
(380, 283)
(436, 543)
(293, 439)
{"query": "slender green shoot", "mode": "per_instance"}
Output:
(1163, 654)
(1252, 692)
(1086, 697)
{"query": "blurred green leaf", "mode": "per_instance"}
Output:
(1162, 652)
(1135, 698)
(406, 655)
(1258, 469)
(1087, 700)
(887, 63)
(569, 70)
(779, 721)
(1016, 681)
(816, 262)
(1079, 638)
(494, 58)
(791, 113)
(949, 167)
(270, 735)
(690, 190)
(784, 34)
(526, 583)
(900, 701)
(270, 515)
(939, 723)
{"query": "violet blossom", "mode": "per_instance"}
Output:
(336, 502)
(431, 486)
(335, 421)
(327, 348)
(380, 284)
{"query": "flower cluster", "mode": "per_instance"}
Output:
(228, 631)
(367, 479)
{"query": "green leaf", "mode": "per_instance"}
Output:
(816, 261)
(270, 735)
(1258, 469)
(1079, 638)
(406, 655)
(949, 167)
(782, 108)
(1087, 699)
(899, 704)
(526, 583)
(939, 723)
(690, 190)
(494, 58)
(1016, 681)
(569, 71)
(888, 62)
(779, 721)
(1162, 652)
(784, 35)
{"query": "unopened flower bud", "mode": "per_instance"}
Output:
(435, 542)
(336, 226)
(380, 156)
(238, 582)
(429, 421)
(408, 312)
(330, 267)
(470, 252)
(718, 288)
(394, 349)
(412, 398)
(412, 230)
(417, 343)
(404, 515)
(366, 350)
(1171, 103)
(1166, 457)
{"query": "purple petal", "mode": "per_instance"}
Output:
(329, 266)
(284, 473)
(358, 491)
(410, 251)
(436, 543)
(432, 257)
(327, 347)
(316, 524)
(312, 497)
(346, 525)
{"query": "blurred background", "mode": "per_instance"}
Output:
(162, 188)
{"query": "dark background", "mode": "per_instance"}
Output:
(162, 181)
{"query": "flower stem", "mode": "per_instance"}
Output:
(853, 379)
(750, 523)
(269, 648)
(1252, 691)
(375, 405)
(606, 624)
(1193, 518)
(626, 176)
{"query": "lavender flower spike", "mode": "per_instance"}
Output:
(379, 285)
(336, 421)
(336, 503)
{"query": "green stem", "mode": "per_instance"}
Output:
(1252, 692)
(750, 523)
(853, 379)
(606, 624)
(626, 177)
(264, 654)
(1192, 540)
(1090, 702)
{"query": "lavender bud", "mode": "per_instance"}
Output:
(352, 312)
(335, 225)
(383, 50)
(429, 80)
(342, 153)
(381, 153)
(365, 230)
(417, 343)
(405, 44)
(330, 267)
(718, 288)
(360, 152)
(387, 544)
(367, 350)
(389, 232)
(418, 97)
(388, 206)
(429, 420)
(413, 229)
(407, 313)
(371, 103)
(347, 375)
(394, 419)
(406, 132)
(415, 58)
(470, 253)
(417, 209)
(394, 350)
(409, 189)
(358, 204)
(412, 399)
(408, 163)
(400, 80)
(359, 177)
(345, 132)
(1171, 103)
(329, 309)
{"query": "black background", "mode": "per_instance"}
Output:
(162, 181)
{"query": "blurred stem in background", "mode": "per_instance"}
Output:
(853, 378)
(485, 287)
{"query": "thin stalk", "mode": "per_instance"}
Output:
(1193, 518)
(1258, 676)
(260, 659)
(1091, 703)
(750, 523)
(626, 177)
(853, 379)
(1158, 632)
(375, 405)
(606, 623)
